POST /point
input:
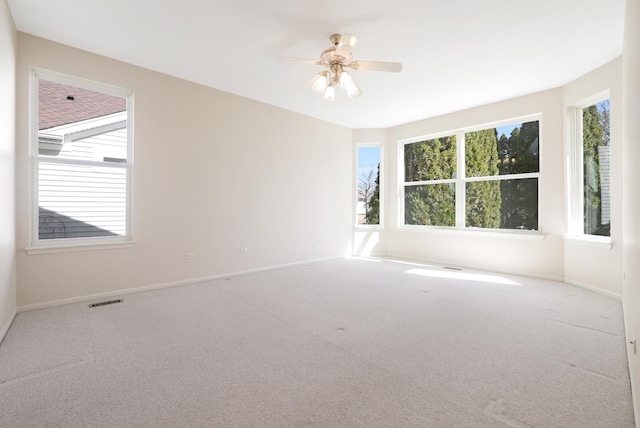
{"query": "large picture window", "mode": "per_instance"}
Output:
(82, 161)
(484, 178)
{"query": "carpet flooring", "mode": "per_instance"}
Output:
(340, 343)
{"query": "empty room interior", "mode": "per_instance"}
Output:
(320, 213)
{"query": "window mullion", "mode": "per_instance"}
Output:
(579, 212)
(82, 162)
(460, 182)
(576, 180)
(504, 177)
(424, 183)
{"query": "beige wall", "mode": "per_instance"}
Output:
(7, 171)
(491, 251)
(631, 191)
(213, 172)
(588, 266)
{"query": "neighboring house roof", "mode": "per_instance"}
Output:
(62, 104)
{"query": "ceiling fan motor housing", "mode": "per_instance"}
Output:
(329, 57)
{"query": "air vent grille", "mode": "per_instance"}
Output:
(108, 302)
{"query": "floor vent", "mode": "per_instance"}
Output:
(452, 268)
(108, 302)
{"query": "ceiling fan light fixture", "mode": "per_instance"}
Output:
(354, 91)
(320, 82)
(350, 87)
(346, 80)
(330, 93)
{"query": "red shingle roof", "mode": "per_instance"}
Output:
(61, 104)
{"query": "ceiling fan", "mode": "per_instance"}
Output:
(335, 59)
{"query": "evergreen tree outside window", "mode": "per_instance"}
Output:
(496, 189)
(429, 176)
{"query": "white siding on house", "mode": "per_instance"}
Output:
(92, 200)
(604, 156)
(78, 199)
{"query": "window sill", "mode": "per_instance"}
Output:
(501, 233)
(368, 227)
(77, 246)
(604, 243)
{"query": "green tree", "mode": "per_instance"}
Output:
(430, 204)
(483, 198)
(520, 154)
(373, 213)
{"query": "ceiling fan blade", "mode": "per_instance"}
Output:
(393, 67)
(346, 43)
(293, 59)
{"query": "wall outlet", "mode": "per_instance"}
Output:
(190, 256)
(244, 250)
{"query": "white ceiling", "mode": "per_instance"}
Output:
(456, 53)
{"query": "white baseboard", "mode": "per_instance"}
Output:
(5, 328)
(525, 274)
(474, 267)
(116, 293)
(607, 293)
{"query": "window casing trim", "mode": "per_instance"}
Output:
(602, 242)
(575, 175)
(476, 232)
(79, 244)
(42, 246)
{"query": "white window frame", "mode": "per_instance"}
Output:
(43, 246)
(575, 179)
(460, 180)
(380, 224)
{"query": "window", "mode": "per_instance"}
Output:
(429, 175)
(368, 190)
(81, 160)
(592, 168)
(484, 178)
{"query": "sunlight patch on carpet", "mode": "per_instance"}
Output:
(493, 279)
